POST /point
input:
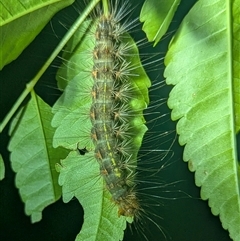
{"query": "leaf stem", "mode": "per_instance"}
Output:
(57, 50)
(105, 7)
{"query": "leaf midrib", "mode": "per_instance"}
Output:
(165, 20)
(230, 69)
(46, 150)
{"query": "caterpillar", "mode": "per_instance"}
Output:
(113, 93)
(113, 113)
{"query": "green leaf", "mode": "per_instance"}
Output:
(199, 63)
(21, 22)
(70, 111)
(157, 16)
(33, 158)
(236, 62)
(79, 177)
(2, 168)
(77, 45)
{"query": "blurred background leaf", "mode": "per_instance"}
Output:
(21, 22)
(157, 15)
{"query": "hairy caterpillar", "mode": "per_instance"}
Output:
(111, 94)
(116, 122)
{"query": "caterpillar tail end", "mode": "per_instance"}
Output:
(128, 206)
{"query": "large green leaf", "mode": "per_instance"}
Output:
(33, 158)
(21, 21)
(157, 16)
(79, 176)
(203, 64)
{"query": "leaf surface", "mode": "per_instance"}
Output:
(79, 176)
(33, 158)
(199, 63)
(157, 16)
(21, 22)
(236, 60)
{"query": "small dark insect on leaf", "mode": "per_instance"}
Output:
(82, 151)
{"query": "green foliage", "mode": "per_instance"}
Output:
(33, 157)
(200, 63)
(21, 22)
(77, 44)
(79, 177)
(72, 108)
(157, 16)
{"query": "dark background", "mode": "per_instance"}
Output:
(184, 216)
